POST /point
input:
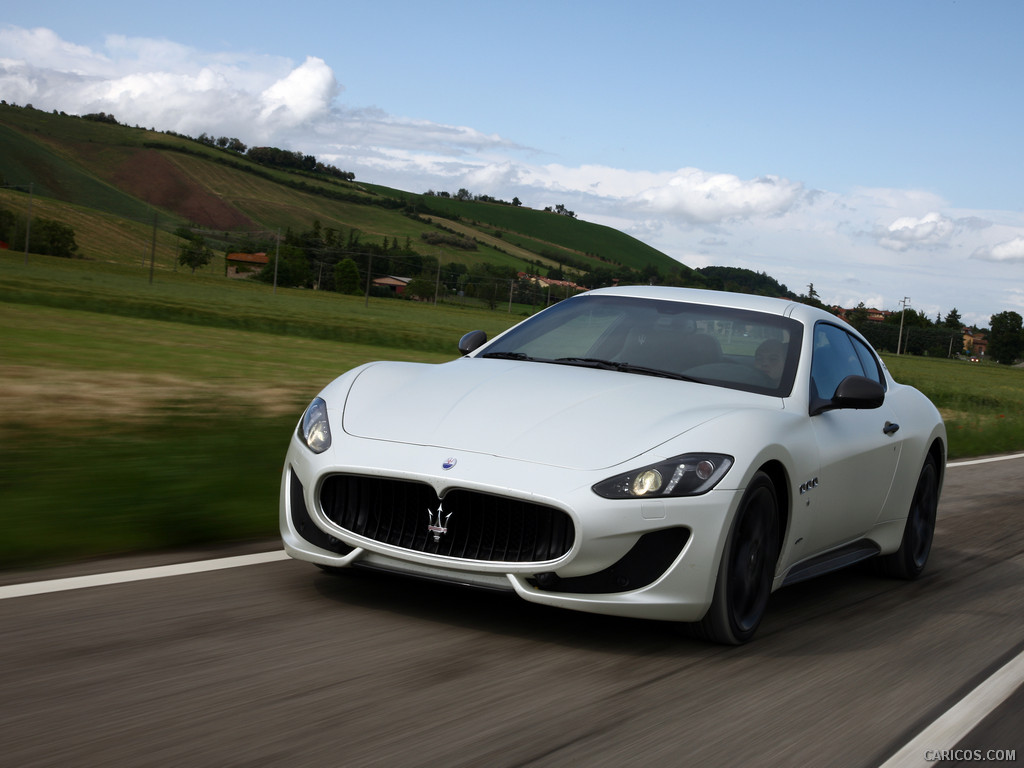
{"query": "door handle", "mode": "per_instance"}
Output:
(890, 428)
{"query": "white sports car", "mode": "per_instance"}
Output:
(662, 453)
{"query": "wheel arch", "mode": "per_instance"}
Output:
(776, 472)
(937, 450)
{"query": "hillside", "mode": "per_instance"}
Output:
(112, 183)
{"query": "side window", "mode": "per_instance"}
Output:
(868, 361)
(835, 358)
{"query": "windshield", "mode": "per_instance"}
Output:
(719, 346)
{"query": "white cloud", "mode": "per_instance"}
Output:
(689, 195)
(306, 93)
(1015, 297)
(1008, 251)
(907, 232)
(47, 51)
(700, 197)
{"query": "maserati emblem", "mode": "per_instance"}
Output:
(438, 522)
(449, 463)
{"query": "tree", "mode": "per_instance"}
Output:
(911, 318)
(953, 320)
(1005, 341)
(291, 266)
(420, 288)
(489, 283)
(346, 277)
(857, 316)
(194, 253)
(8, 225)
(53, 238)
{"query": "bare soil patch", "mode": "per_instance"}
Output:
(37, 397)
(151, 176)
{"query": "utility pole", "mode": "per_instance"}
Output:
(28, 222)
(152, 250)
(904, 301)
(369, 276)
(437, 282)
(277, 255)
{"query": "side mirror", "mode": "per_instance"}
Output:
(471, 341)
(854, 392)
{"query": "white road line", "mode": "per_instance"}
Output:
(984, 461)
(138, 574)
(946, 732)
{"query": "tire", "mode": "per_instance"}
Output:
(909, 560)
(747, 568)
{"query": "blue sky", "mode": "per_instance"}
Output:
(872, 148)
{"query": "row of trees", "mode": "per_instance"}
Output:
(334, 260)
(465, 195)
(941, 337)
(41, 235)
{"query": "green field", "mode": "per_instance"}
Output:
(981, 403)
(138, 415)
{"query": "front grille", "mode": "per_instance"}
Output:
(480, 526)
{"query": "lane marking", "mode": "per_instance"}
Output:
(946, 732)
(984, 461)
(138, 574)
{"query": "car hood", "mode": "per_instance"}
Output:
(558, 415)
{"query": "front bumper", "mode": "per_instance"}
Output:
(645, 559)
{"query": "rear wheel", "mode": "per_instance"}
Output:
(747, 568)
(910, 559)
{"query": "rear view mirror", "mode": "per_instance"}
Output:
(471, 341)
(853, 392)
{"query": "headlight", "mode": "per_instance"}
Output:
(315, 430)
(689, 475)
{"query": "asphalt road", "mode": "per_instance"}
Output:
(278, 664)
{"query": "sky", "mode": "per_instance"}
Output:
(872, 149)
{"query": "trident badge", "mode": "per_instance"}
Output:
(438, 524)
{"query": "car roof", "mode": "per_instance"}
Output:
(785, 307)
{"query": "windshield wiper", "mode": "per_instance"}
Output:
(609, 365)
(588, 362)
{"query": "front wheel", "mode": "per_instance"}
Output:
(747, 568)
(909, 560)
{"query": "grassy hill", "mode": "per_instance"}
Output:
(108, 181)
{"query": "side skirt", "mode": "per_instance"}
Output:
(831, 561)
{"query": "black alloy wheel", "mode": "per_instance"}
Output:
(910, 559)
(747, 568)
